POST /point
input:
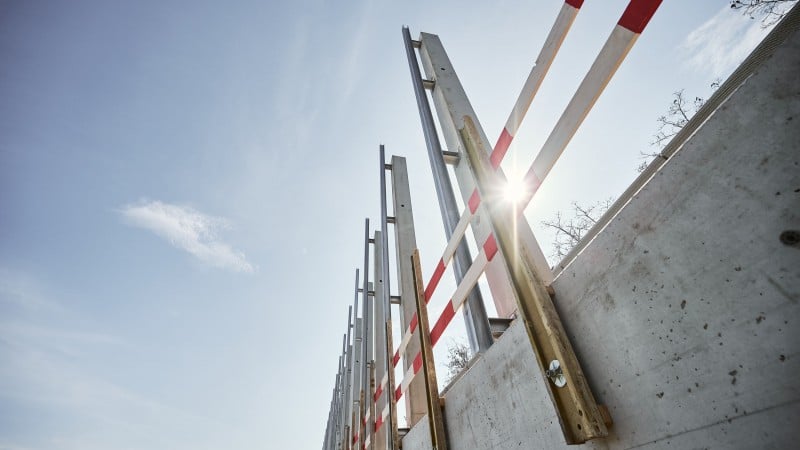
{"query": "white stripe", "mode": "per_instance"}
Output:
(469, 280)
(546, 56)
(384, 382)
(407, 377)
(406, 340)
(385, 413)
(455, 238)
(605, 65)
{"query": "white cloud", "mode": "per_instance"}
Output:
(720, 44)
(188, 230)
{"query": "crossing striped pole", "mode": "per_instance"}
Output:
(625, 33)
(564, 20)
(487, 253)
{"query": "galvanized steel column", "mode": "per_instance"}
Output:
(477, 322)
(381, 358)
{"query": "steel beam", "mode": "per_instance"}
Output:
(381, 358)
(452, 105)
(476, 319)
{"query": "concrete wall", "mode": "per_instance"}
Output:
(684, 310)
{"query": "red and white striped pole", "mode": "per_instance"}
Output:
(630, 26)
(542, 64)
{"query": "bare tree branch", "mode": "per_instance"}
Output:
(570, 230)
(770, 11)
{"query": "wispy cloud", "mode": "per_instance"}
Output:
(188, 230)
(720, 44)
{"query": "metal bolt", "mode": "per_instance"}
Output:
(555, 374)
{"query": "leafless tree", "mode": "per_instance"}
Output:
(680, 111)
(458, 356)
(678, 114)
(770, 11)
(571, 228)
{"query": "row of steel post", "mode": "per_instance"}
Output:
(366, 351)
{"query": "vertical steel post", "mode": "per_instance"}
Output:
(452, 106)
(385, 235)
(406, 243)
(358, 392)
(381, 357)
(385, 288)
(348, 406)
(477, 322)
(342, 391)
(370, 381)
(368, 305)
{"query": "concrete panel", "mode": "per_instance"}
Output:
(684, 310)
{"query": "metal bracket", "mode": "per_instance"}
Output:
(428, 84)
(451, 158)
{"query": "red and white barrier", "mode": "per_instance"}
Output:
(633, 21)
(542, 64)
(631, 24)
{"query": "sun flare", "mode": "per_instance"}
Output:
(514, 190)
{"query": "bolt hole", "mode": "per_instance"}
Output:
(580, 427)
(790, 237)
(580, 412)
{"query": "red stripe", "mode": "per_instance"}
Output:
(500, 149)
(638, 13)
(474, 201)
(490, 247)
(378, 423)
(377, 394)
(417, 362)
(396, 358)
(441, 324)
(575, 3)
(398, 393)
(437, 275)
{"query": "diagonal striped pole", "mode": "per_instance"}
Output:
(564, 20)
(625, 33)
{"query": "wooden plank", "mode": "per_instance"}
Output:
(435, 416)
(577, 410)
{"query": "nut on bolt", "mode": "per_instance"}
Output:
(555, 374)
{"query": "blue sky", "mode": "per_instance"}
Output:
(183, 187)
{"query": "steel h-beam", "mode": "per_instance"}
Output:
(477, 321)
(381, 356)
